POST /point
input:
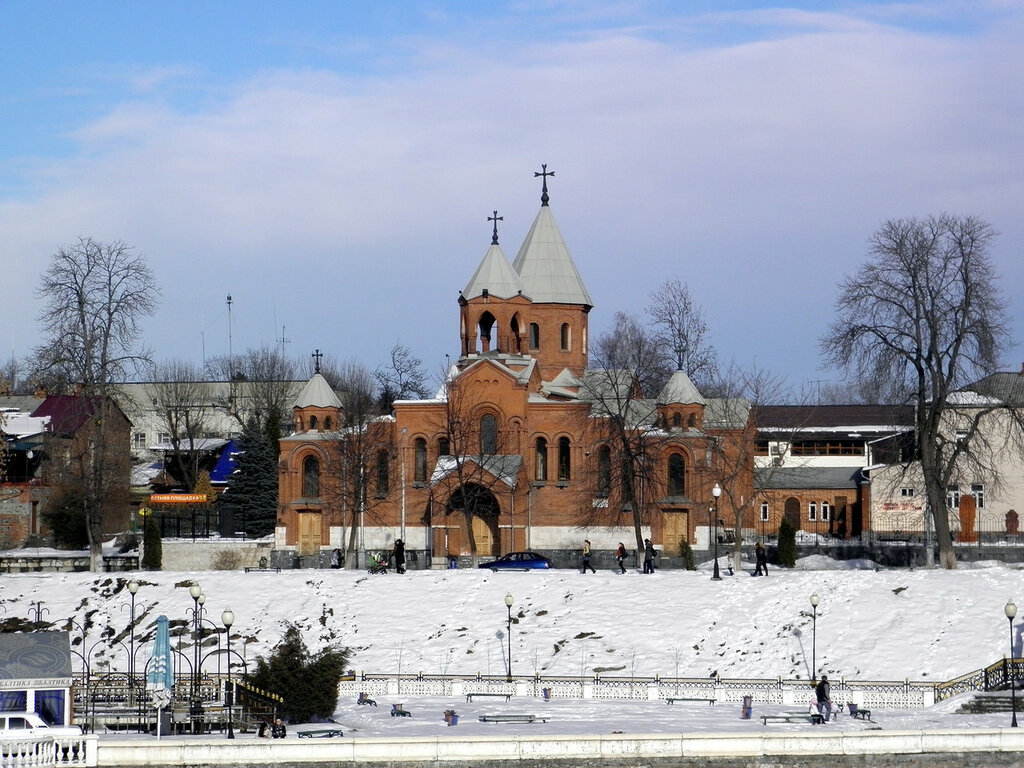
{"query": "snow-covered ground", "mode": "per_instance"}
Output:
(872, 624)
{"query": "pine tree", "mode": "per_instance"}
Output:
(152, 545)
(307, 683)
(251, 494)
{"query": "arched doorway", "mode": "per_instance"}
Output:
(483, 509)
(793, 512)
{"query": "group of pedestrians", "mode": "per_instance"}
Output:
(397, 554)
(620, 557)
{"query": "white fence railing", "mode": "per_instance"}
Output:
(26, 750)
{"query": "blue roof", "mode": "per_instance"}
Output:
(225, 464)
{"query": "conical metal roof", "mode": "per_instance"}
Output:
(547, 271)
(495, 275)
(317, 394)
(679, 389)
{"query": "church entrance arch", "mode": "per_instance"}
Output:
(483, 529)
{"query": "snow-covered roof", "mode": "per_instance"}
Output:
(195, 444)
(679, 389)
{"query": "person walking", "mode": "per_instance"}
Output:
(620, 557)
(399, 554)
(586, 557)
(649, 554)
(336, 559)
(761, 557)
(823, 694)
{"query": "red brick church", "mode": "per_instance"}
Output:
(513, 454)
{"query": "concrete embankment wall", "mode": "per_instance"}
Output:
(936, 749)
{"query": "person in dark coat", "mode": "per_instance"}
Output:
(823, 693)
(336, 559)
(620, 557)
(649, 554)
(399, 554)
(277, 730)
(761, 557)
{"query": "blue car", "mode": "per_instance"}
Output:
(518, 561)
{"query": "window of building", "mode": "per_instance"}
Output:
(604, 470)
(566, 337)
(691, 421)
(826, 510)
(383, 480)
(540, 464)
(812, 511)
(311, 477)
(327, 422)
(764, 511)
(676, 474)
(534, 336)
(564, 460)
(488, 435)
(163, 437)
(677, 420)
(827, 448)
(139, 441)
(978, 492)
(444, 446)
(908, 493)
(953, 496)
(419, 472)
(312, 423)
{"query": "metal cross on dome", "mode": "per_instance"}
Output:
(544, 173)
(495, 218)
(317, 354)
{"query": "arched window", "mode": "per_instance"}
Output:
(419, 474)
(534, 336)
(566, 337)
(444, 446)
(312, 423)
(691, 421)
(327, 422)
(564, 462)
(488, 435)
(383, 481)
(677, 420)
(311, 478)
(540, 466)
(676, 475)
(604, 470)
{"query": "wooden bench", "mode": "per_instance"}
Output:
(792, 717)
(364, 699)
(397, 711)
(858, 712)
(511, 719)
(320, 733)
(262, 570)
(505, 696)
(674, 699)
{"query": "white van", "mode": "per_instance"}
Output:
(14, 724)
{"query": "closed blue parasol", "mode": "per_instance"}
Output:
(161, 668)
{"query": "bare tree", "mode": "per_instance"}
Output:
(184, 405)
(261, 381)
(679, 326)
(96, 295)
(401, 378)
(925, 313)
(626, 362)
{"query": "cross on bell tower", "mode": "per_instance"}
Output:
(495, 218)
(543, 173)
(317, 354)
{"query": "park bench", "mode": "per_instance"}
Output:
(511, 719)
(793, 717)
(505, 696)
(364, 699)
(251, 569)
(397, 711)
(859, 712)
(321, 733)
(674, 699)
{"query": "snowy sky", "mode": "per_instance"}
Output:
(332, 165)
(925, 625)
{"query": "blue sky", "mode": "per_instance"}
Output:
(332, 165)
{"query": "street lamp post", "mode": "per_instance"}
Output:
(133, 587)
(716, 492)
(228, 617)
(814, 635)
(198, 598)
(509, 600)
(1011, 610)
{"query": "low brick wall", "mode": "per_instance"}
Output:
(213, 554)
